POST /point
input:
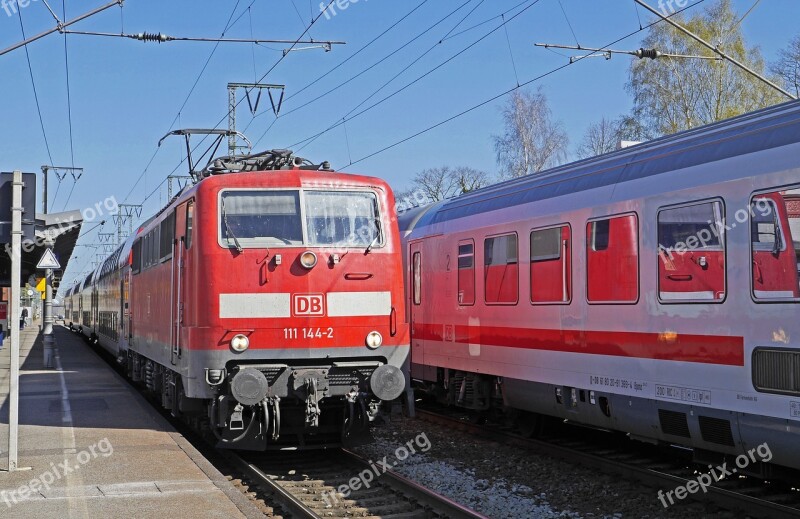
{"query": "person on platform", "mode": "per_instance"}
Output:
(23, 318)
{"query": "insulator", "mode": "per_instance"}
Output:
(647, 53)
(149, 36)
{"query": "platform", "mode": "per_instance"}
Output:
(96, 448)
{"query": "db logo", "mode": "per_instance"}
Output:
(308, 304)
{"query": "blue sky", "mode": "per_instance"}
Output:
(125, 94)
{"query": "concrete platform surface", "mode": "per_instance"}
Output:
(96, 448)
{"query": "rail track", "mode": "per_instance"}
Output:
(651, 465)
(298, 483)
(307, 486)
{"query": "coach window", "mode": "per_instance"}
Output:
(775, 242)
(466, 272)
(189, 224)
(501, 270)
(612, 260)
(691, 253)
(136, 260)
(551, 265)
(417, 274)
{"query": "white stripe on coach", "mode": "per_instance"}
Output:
(689, 296)
(778, 294)
(254, 305)
(358, 304)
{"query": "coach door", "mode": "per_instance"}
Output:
(184, 217)
(416, 305)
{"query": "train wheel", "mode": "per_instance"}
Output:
(529, 424)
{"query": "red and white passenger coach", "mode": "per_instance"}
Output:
(265, 303)
(653, 290)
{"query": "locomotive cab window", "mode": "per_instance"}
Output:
(500, 270)
(691, 253)
(774, 228)
(612, 260)
(551, 265)
(466, 273)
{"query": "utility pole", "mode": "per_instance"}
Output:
(182, 180)
(125, 215)
(15, 311)
(715, 49)
(61, 173)
(232, 88)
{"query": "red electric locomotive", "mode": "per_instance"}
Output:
(265, 303)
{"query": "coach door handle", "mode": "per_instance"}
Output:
(357, 276)
(680, 277)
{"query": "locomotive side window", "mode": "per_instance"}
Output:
(691, 253)
(189, 224)
(417, 275)
(167, 237)
(551, 265)
(501, 270)
(774, 245)
(612, 260)
(466, 272)
(341, 219)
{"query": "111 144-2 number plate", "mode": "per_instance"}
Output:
(308, 333)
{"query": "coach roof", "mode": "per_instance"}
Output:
(764, 129)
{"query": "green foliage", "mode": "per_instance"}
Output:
(674, 94)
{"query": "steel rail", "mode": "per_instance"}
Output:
(728, 499)
(437, 502)
(292, 505)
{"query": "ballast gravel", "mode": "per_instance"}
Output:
(501, 481)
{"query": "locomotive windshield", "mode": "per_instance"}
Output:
(261, 218)
(275, 218)
(340, 219)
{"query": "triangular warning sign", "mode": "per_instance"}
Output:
(48, 261)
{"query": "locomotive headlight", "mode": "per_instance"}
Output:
(240, 343)
(308, 259)
(374, 340)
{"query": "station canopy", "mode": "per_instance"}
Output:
(62, 229)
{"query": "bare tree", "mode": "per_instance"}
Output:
(532, 140)
(434, 184)
(788, 65)
(671, 95)
(468, 179)
(605, 135)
